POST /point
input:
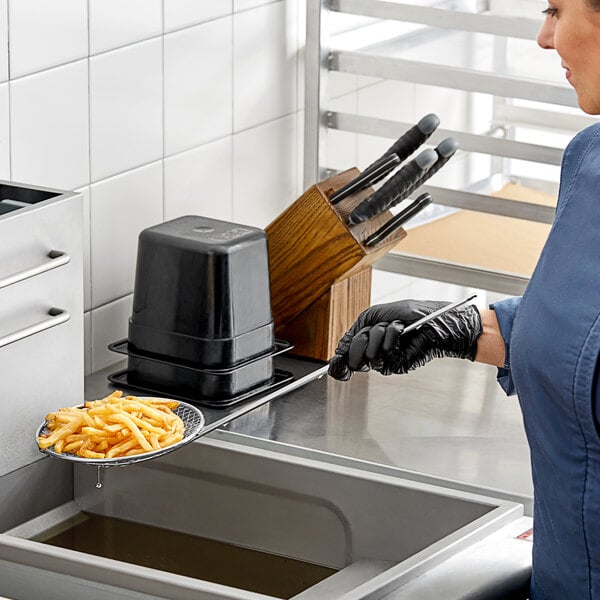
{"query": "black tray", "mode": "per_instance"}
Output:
(280, 377)
(125, 347)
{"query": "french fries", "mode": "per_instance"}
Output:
(113, 427)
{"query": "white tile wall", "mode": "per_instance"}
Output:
(87, 248)
(108, 324)
(3, 40)
(300, 187)
(301, 29)
(341, 84)
(392, 100)
(121, 207)
(341, 146)
(4, 132)
(45, 34)
(49, 127)
(115, 23)
(240, 5)
(452, 106)
(87, 341)
(198, 86)
(264, 182)
(265, 59)
(199, 182)
(126, 121)
(183, 13)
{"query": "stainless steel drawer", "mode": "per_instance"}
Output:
(41, 322)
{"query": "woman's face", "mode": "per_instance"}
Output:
(572, 28)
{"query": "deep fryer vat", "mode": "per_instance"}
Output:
(357, 522)
(184, 554)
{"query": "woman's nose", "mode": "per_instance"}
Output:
(545, 37)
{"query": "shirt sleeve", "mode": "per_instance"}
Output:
(506, 310)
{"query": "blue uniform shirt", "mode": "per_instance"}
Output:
(552, 337)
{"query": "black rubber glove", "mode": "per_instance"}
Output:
(375, 341)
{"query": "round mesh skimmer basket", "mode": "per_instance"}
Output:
(193, 421)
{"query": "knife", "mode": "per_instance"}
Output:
(397, 221)
(380, 169)
(403, 147)
(436, 313)
(394, 189)
(445, 151)
(359, 349)
(414, 137)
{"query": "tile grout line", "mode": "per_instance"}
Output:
(232, 121)
(91, 287)
(9, 89)
(163, 112)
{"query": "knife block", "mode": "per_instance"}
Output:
(320, 270)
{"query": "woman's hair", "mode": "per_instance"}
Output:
(593, 4)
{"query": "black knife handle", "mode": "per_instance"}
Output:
(394, 189)
(397, 221)
(414, 137)
(403, 147)
(381, 167)
(410, 141)
(445, 151)
(447, 147)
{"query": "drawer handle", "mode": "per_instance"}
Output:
(57, 316)
(57, 259)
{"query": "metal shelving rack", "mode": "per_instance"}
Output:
(539, 104)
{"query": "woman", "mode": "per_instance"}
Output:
(546, 344)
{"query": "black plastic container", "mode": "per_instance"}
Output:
(202, 293)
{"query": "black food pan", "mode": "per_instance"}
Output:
(202, 292)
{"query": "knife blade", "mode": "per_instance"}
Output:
(393, 190)
(403, 147)
(382, 167)
(437, 313)
(398, 220)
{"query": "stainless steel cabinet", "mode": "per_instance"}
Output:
(41, 319)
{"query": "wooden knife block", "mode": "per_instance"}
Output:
(320, 271)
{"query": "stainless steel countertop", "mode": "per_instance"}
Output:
(449, 419)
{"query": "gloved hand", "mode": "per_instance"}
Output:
(375, 341)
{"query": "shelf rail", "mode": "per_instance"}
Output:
(529, 94)
(467, 80)
(469, 142)
(439, 17)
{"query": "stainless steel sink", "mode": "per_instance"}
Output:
(376, 532)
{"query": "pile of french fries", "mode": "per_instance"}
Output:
(113, 427)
